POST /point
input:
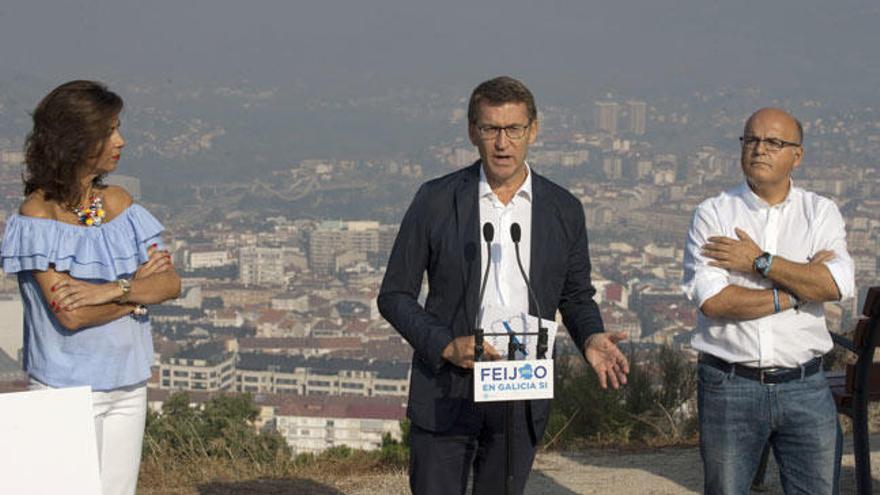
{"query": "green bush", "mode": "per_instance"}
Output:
(396, 453)
(221, 429)
(651, 408)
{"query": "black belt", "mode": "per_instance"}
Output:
(764, 375)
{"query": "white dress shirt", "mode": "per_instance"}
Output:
(506, 286)
(795, 229)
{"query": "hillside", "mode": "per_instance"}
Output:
(671, 470)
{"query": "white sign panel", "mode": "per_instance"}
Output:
(48, 443)
(513, 380)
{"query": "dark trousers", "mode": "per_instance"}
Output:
(441, 462)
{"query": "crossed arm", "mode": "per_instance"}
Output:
(811, 281)
(78, 304)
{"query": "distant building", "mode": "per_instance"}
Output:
(11, 324)
(574, 158)
(208, 367)
(236, 296)
(190, 297)
(311, 425)
(618, 319)
(273, 323)
(306, 347)
(273, 373)
(325, 243)
(616, 294)
(336, 245)
(644, 168)
(290, 302)
(637, 112)
(208, 257)
(218, 366)
(612, 167)
(606, 116)
(261, 266)
(865, 264)
(226, 317)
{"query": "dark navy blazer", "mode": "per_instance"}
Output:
(440, 234)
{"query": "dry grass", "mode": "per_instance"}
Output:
(355, 473)
(359, 472)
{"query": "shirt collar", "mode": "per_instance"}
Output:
(524, 191)
(756, 203)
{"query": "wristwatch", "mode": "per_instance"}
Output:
(762, 263)
(139, 310)
(125, 285)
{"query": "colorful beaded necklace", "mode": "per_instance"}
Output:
(92, 216)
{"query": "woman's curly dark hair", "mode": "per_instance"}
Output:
(71, 126)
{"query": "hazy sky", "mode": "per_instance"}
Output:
(561, 46)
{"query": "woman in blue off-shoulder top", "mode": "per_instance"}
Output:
(88, 262)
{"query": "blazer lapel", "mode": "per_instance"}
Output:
(467, 215)
(540, 236)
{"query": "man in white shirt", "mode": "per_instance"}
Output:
(760, 260)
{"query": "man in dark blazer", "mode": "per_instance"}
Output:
(440, 234)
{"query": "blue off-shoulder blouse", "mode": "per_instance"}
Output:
(108, 356)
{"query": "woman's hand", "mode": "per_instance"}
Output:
(158, 262)
(70, 293)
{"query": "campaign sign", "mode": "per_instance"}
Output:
(49, 443)
(513, 380)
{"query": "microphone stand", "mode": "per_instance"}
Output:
(512, 344)
(541, 348)
(488, 235)
(512, 347)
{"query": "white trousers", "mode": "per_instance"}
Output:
(120, 415)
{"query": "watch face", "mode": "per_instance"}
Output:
(762, 263)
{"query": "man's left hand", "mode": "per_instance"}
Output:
(733, 254)
(606, 359)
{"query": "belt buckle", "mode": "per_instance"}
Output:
(768, 372)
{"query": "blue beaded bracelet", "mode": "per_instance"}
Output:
(776, 307)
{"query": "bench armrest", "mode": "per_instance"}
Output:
(844, 342)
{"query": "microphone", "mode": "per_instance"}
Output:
(516, 236)
(488, 232)
(488, 235)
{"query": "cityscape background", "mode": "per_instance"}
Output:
(280, 144)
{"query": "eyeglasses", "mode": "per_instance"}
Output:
(770, 144)
(514, 132)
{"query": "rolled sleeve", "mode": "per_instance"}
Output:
(842, 271)
(831, 235)
(707, 284)
(701, 281)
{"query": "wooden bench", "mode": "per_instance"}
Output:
(852, 390)
(860, 385)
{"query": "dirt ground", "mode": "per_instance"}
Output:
(662, 471)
